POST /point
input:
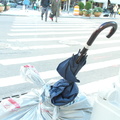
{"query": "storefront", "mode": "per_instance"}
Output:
(115, 2)
(103, 3)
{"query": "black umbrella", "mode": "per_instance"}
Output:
(68, 69)
(95, 34)
(65, 90)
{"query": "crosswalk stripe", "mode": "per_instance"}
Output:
(63, 39)
(86, 88)
(98, 85)
(100, 65)
(54, 33)
(14, 80)
(59, 24)
(19, 30)
(88, 67)
(53, 73)
(33, 59)
(38, 47)
(69, 26)
(53, 56)
(104, 50)
(103, 42)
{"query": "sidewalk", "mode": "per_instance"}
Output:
(20, 12)
(30, 12)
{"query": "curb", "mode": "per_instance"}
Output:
(64, 14)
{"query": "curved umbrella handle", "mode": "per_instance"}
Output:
(95, 34)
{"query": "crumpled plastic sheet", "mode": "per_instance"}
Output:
(36, 104)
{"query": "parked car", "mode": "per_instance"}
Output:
(12, 4)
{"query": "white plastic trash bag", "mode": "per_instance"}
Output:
(36, 105)
(30, 74)
(27, 107)
(79, 109)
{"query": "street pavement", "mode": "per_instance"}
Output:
(19, 11)
(86, 88)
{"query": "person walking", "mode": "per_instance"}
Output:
(55, 9)
(38, 4)
(45, 7)
(111, 10)
(26, 4)
(115, 9)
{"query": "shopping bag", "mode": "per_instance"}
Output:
(51, 15)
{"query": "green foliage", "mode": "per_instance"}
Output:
(92, 1)
(88, 5)
(8, 4)
(88, 11)
(84, 10)
(1, 4)
(97, 9)
(81, 5)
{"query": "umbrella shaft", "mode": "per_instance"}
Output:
(82, 53)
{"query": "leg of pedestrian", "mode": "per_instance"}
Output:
(46, 13)
(42, 13)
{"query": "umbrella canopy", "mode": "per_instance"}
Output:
(68, 69)
(65, 90)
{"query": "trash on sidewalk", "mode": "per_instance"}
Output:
(36, 105)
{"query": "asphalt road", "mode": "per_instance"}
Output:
(28, 40)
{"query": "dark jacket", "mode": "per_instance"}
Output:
(45, 3)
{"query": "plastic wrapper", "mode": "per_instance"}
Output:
(36, 104)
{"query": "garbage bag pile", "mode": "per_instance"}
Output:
(37, 105)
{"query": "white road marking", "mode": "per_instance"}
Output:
(42, 29)
(46, 39)
(53, 32)
(38, 47)
(53, 56)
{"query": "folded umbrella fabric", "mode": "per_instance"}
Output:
(63, 92)
(68, 69)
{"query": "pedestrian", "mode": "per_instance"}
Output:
(115, 10)
(26, 4)
(55, 9)
(45, 7)
(35, 6)
(111, 10)
(38, 4)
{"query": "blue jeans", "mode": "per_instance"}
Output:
(44, 11)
